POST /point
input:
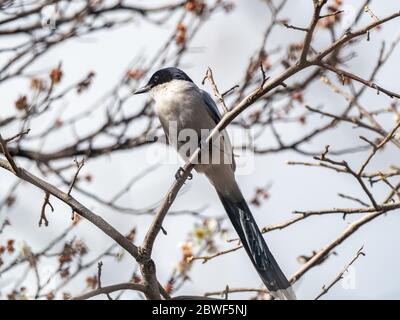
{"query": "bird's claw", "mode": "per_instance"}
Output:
(180, 172)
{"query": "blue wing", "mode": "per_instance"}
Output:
(211, 107)
(216, 116)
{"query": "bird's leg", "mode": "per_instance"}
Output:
(179, 174)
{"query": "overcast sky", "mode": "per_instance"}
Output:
(225, 44)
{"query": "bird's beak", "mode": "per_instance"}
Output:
(143, 89)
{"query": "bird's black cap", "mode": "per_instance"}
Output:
(163, 76)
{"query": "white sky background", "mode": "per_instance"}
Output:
(226, 43)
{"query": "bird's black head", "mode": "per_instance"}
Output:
(163, 76)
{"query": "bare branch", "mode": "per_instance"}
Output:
(110, 289)
(325, 289)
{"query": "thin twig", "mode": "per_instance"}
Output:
(79, 165)
(210, 77)
(325, 289)
(99, 269)
(43, 218)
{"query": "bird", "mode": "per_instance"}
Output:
(187, 115)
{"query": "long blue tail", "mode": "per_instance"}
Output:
(257, 249)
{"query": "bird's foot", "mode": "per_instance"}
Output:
(180, 172)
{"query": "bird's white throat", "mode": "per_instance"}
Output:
(171, 88)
